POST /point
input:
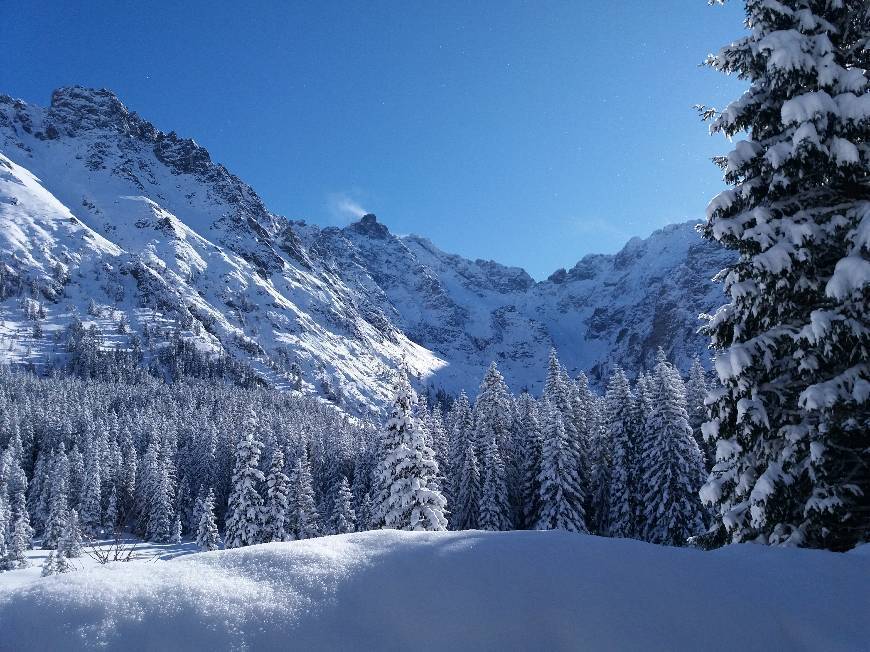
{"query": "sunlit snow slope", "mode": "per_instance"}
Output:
(97, 204)
(390, 590)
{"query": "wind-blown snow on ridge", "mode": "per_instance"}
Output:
(97, 204)
(392, 590)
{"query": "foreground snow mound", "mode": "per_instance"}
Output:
(392, 590)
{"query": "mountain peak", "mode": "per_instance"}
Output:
(84, 95)
(368, 225)
(75, 109)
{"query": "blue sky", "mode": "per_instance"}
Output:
(531, 133)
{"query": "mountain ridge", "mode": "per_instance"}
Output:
(180, 245)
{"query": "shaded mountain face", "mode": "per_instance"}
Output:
(109, 220)
(606, 310)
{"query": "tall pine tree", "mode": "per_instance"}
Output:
(561, 492)
(207, 537)
(672, 465)
(245, 504)
(277, 501)
(409, 497)
(495, 512)
(304, 519)
(343, 519)
(791, 423)
(466, 508)
(620, 425)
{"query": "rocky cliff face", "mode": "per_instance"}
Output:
(102, 216)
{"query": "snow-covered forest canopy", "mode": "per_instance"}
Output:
(84, 456)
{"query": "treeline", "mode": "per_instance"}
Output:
(162, 351)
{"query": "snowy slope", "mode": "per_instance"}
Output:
(390, 590)
(97, 205)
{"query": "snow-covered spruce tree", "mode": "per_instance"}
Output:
(493, 420)
(562, 396)
(76, 475)
(672, 466)
(561, 490)
(528, 435)
(466, 508)
(71, 541)
(58, 502)
(196, 513)
(161, 513)
(409, 497)
(791, 422)
(364, 513)
(127, 475)
(37, 494)
(18, 541)
(61, 562)
(55, 562)
(585, 418)
(366, 461)
(245, 504)
(600, 467)
(461, 428)
(111, 518)
(696, 393)
(207, 537)
(343, 519)
(185, 501)
(304, 519)
(6, 562)
(5, 468)
(20, 533)
(277, 501)
(440, 446)
(495, 512)
(621, 430)
(48, 566)
(420, 411)
(91, 502)
(149, 478)
(202, 463)
(175, 536)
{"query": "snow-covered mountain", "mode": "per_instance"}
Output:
(106, 217)
(607, 309)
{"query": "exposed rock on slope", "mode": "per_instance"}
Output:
(605, 309)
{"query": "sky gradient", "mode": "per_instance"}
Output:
(528, 133)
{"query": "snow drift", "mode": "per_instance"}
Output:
(391, 590)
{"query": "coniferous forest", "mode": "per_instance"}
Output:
(84, 457)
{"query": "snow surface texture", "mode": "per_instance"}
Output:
(143, 223)
(391, 590)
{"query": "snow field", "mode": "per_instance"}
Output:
(392, 590)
